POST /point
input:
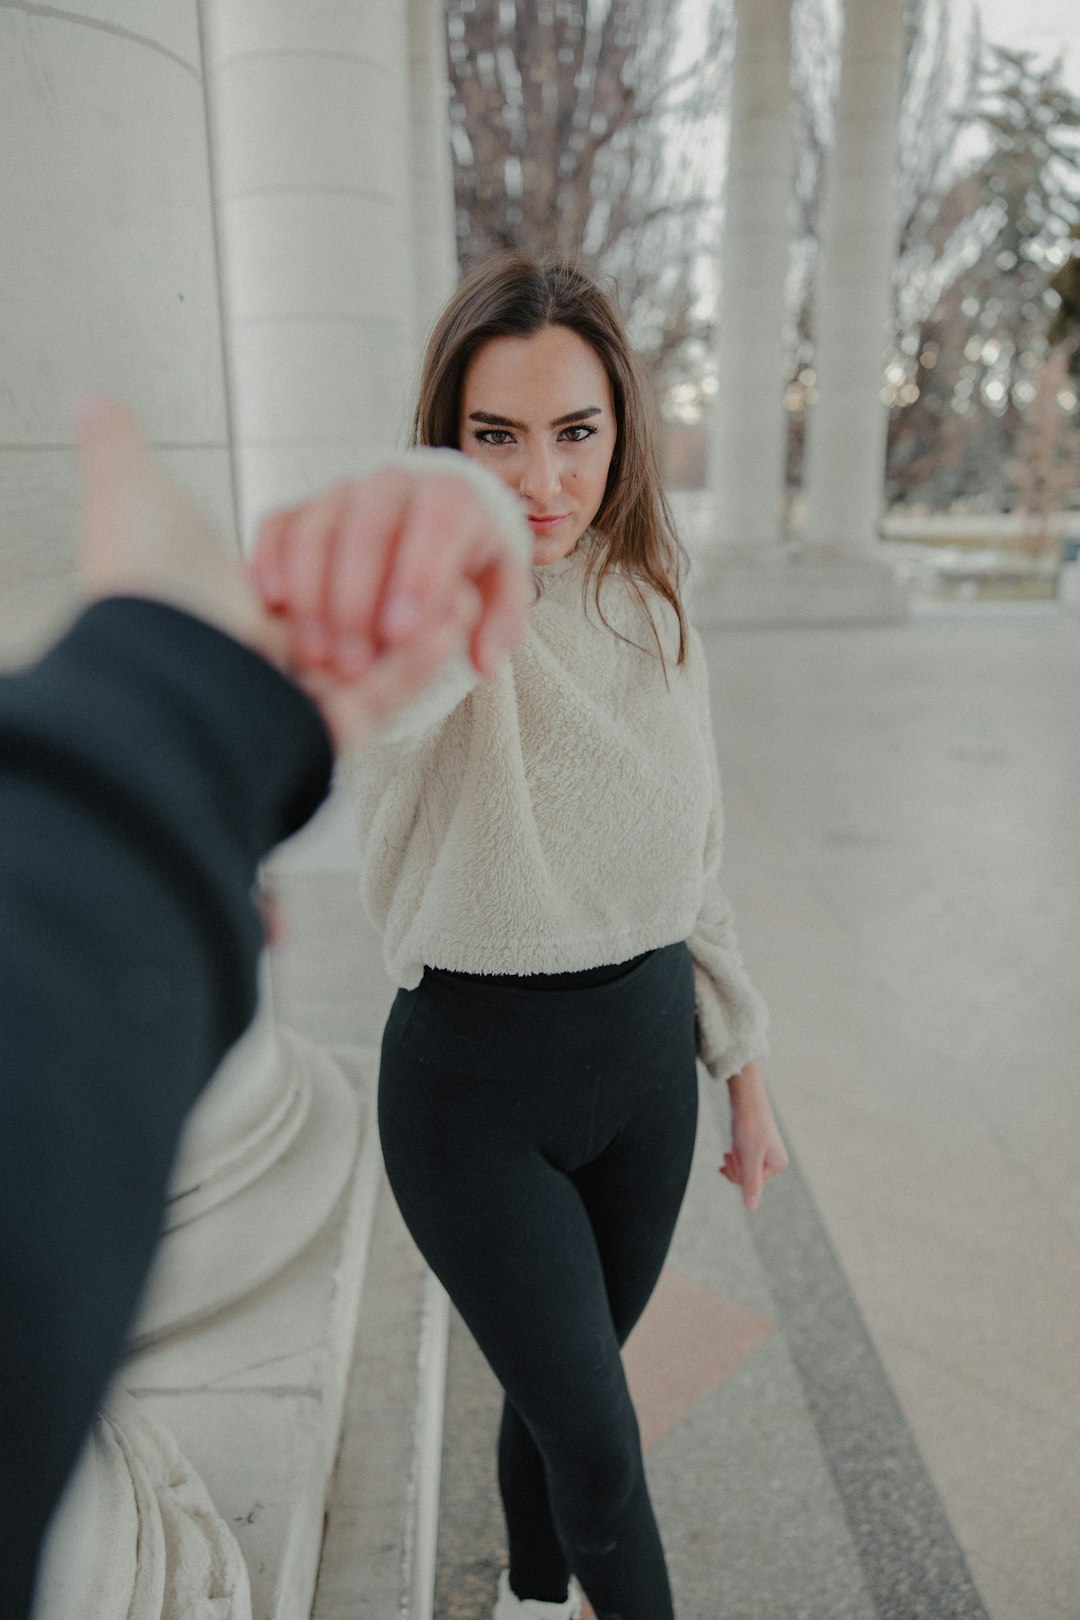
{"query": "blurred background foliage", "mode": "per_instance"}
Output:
(596, 128)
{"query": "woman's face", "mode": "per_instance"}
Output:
(538, 411)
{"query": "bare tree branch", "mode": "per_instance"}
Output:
(576, 129)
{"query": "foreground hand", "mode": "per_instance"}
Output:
(141, 535)
(757, 1149)
(386, 563)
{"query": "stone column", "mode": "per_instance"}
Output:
(751, 578)
(107, 261)
(110, 257)
(434, 236)
(846, 428)
(748, 429)
(310, 109)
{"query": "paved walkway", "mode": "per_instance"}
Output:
(861, 1402)
(786, 1479)
(904, 855)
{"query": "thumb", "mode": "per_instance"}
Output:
(114, 462)
(110, 442)
(753, 1181)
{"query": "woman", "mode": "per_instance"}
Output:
(540, 851)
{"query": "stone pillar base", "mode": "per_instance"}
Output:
(136, 1536)
(792, 590)
(1069, 585)
(255, 1394)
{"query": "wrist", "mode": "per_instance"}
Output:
(239, 615)
(748, 1084)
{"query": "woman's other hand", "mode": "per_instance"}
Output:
(757, 1149)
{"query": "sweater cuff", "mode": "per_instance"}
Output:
(732, 1021)
(503, 504)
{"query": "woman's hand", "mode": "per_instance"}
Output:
(757, 1149)
(380, 580)
(376, 561)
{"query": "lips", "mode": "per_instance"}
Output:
(543, 523)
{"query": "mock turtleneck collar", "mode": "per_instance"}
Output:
(565, 565)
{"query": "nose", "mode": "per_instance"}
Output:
(539, 479)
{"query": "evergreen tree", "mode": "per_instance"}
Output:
(1065, 325)
(976, 354)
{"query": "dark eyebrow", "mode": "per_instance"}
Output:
(577, 416)
(507, 422)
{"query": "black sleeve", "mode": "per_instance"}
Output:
(147, 764)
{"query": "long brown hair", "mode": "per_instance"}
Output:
(516, 295)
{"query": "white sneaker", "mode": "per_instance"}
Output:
(510, 1607)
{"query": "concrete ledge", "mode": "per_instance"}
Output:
(793, 592)
(379, 1548)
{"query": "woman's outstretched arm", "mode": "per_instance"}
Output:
(732, 1018)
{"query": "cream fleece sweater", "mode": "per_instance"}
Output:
(563, 813)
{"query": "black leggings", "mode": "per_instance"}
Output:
(538, 1135)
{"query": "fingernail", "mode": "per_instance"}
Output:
(403, 614)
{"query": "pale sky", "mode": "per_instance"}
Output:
(1050, 27)
(1047, 26)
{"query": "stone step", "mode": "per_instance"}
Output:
(378, 1556)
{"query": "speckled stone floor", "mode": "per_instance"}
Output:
(904, 860)
(904, 1441)
(785, 1478)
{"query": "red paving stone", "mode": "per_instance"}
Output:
(689, 1340)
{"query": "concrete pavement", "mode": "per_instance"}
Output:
(861, 1401)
